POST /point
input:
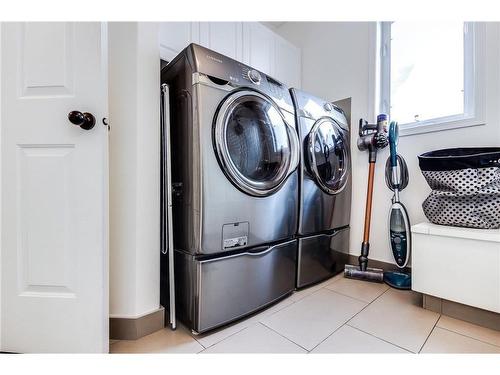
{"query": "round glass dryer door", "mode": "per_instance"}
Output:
(329, 155)
(256, 147)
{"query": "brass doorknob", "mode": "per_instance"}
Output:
(84, 120)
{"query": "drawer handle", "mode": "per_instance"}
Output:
(254, 254)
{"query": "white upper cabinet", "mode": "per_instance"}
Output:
(249, 42)
(258, 47)
(175, 36)
(223, 37)
(287, 62)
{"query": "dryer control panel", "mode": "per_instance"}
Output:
(224, 68)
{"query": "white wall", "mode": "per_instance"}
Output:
(337, 60)
(134, 66)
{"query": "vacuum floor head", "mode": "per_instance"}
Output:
(398, 280)
(375, 275)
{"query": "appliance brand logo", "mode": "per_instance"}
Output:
(210, 57)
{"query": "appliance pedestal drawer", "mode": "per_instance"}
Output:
(321, 256)
(217, 290)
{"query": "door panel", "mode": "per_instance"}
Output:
(223, 37)
(288, 62)
(259, 47)
(175, 36)
(54, 189)
(42, 73)
(46, 180)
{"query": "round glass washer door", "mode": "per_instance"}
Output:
(329, 158)
(256, 147)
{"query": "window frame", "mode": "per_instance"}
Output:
(474, 82)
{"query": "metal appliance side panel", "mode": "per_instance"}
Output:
(321, 256)
(234, 286)
(319, 210)
(270, 218)
(185, 287)
(184, 152)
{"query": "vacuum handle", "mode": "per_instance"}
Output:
(393, 141)
(369, 198)
(365, 246)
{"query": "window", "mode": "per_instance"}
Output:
(430, 75)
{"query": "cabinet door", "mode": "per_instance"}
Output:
(223, 37)
(287, 62)
(258, 47)
(175, 36)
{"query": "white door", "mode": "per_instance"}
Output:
(54, 259)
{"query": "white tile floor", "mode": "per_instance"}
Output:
(337, 316)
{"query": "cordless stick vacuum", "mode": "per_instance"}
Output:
(372, 137)
(396, 178)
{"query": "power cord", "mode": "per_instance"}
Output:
(402, 173)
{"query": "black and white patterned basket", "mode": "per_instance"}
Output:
(465, 185)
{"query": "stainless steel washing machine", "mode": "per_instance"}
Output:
(325, 188)
(235, 153)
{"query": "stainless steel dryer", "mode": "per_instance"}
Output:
(235, 153)
(325, 188)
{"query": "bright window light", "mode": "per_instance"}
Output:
(426, 70)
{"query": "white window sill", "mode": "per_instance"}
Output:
(437, 125)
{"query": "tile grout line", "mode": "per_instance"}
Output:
(310, 294)
(248, 326)
(286, 338)
(350, 297)
(347, 323)
(381, 339)
(364, 308)
(284, 307)
(326, 338)
(463, 335)
(193, 336)
(429, 335)
(215, 343)
(352, 317)
(265, 325)
(257, 322)
(346, 295)
(225, 338)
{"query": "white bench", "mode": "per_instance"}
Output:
(457, 264)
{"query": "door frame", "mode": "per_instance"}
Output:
(106, 268)
(1, 132)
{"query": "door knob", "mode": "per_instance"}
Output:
(84, 120)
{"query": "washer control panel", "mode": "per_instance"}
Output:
(251, 75)
(254, 76)
(328, 107)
